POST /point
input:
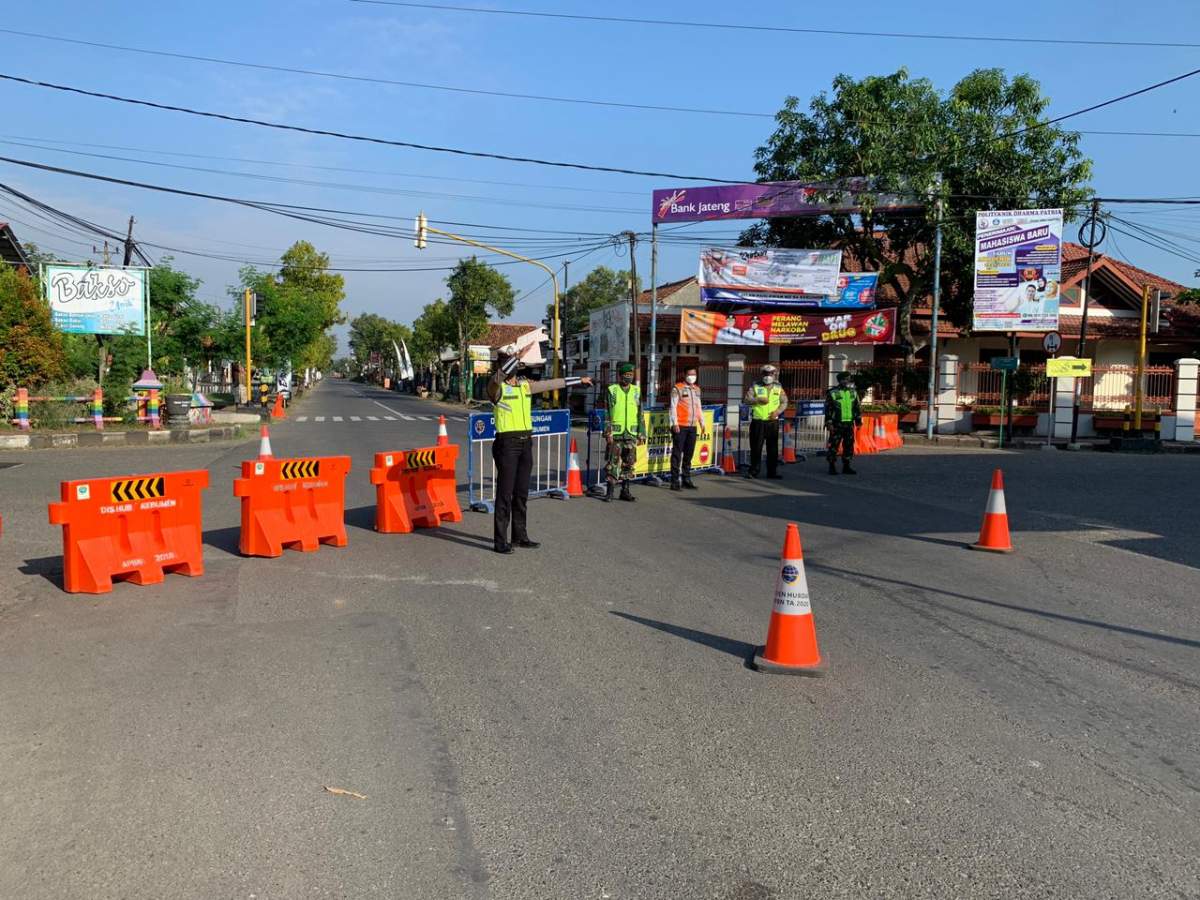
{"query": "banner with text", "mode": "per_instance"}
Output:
(775, 198)
(654, 457)
(1018, 269)
(755, 275)
(96, 300)
(697, 326)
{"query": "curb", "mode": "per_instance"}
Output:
(69, 440)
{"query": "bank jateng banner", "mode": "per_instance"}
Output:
(778, 198)
(96, 300)
(655, 457)
(697, 326)
(757, 275)
(1018, 269)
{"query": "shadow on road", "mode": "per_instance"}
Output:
(48, 567)
(224, 539)
(740, 649)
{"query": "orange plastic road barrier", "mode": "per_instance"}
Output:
(415, 489)
(864, 442)
(993, 535)
(131, 528)
(574, 473)
(789, 452)
(443, 438)
(294, 503)
(278, 411)
(728, 463)
(791, 647)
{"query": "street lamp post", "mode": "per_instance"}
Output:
(423, 229)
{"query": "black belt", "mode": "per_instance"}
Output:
(513, 434)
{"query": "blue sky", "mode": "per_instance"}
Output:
(739, 71)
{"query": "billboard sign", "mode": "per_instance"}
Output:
(773, 198)
(96, 299)
(1018, 269)
(698, 326)
(608, 329)
(756, 275)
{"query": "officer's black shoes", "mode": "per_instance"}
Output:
(503, 548)
(776, 476)
(846, 470)
(832, 468)
(527, 544)
(626, 495)
(608, 493)
(690, 485)
(675, 485)
(750, 475)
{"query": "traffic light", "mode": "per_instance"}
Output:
(422, 232)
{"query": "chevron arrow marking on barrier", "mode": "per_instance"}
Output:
(138, 489)
(299, 468)
(420, 459)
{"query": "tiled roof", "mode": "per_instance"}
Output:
(666, 290)
(500, 334)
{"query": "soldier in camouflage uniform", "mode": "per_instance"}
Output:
(624, 430)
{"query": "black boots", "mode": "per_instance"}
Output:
(675, 485)
(846, 470)
(625, 493)
(832, 467)
(690, 485)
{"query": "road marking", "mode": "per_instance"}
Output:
(337, 418)
(301, 418)
(390, 418)
(372, 418)
(425, 418)
(319, 419)
(355, 419)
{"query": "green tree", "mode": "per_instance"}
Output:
(602, 286)
(433, 331)
(476, 292)
(984, 137)
(371, 333)
(1190, 297)
(31, 348)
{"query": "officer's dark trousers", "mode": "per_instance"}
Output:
(513, 456)
(683, 446)
(764, 430)
(842, 435)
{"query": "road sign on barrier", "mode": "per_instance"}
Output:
(130, 528)
(294, 503)
(482, 426)
(415, 489)
(551, 441)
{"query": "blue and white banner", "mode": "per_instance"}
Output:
(482, 426)
(96, 300)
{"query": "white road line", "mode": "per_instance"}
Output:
(396, 411)
(372, 418)
(390, 418)
(425, 418)
(319, 419)
(355, 419)
(301, 418)
(337, 418)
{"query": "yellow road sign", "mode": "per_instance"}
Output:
(1068, 367)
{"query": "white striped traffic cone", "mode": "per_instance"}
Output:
(993, 536)
(574, 473)
(264, 444)
(443, 437)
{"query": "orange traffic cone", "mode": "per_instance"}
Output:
(574, 473)
(789, 452)
(728, 463)
(278, 411)
(264, 444)
(881, 439)
(993, 535)
(443, 437)
(791, 647)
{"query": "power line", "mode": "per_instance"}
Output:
(342, 76)
(457, 151)
(783, 29)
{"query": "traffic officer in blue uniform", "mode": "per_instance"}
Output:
(511, 395)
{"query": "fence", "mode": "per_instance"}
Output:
(551, 449)
(147, 409)
(895, 382)
(803, 379)
(1108, 388)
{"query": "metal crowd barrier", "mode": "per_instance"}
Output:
(708, 446)
(551, 448)
(806, 432)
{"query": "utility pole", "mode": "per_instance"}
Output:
(633, 300)
(129, 243)
(101, 349)
(1092, 241)
(931, 406)
(247, 300)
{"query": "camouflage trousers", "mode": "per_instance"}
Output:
(622, 456)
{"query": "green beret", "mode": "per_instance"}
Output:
(625, 367)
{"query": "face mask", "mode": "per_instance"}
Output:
(768, 379)
(690, 379)
(627, 378)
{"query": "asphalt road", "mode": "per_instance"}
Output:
(578, 721)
